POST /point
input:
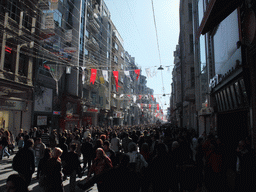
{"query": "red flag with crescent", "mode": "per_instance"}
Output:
(137, 71)
(157, 107)
(115, 73)
(93, 75)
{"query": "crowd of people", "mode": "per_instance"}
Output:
(131, 158)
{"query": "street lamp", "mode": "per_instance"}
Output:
(160, 68)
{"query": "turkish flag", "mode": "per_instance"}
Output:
(149, 106)
(157, 107)
(115, 73)
(93, 75)
(137, 71)
(140, 96)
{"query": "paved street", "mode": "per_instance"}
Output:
(6, 170)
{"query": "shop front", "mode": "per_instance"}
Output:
(90, 116)
(70, 113)
(14, 115)
(232, 114)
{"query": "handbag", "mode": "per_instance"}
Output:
(43, 181)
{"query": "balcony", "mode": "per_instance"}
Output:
(93, 44)
(94, 24)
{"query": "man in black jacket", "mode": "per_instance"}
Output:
(72, 167)
(27, 159)
(87, 151)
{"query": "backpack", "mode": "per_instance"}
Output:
(137, 165)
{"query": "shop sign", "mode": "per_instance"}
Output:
(41, 120)
(215, 80)
(56, 112)
(206, 111)
(13, 105)
(92, 110)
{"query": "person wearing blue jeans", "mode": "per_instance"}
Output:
(5, 151)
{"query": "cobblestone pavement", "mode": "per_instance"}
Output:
(6, 170)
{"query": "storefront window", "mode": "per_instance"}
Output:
(238, 93)
(243, 91)
(226, 99)
(4, 119)
(229, 98)
(220, 102)
(233, 95)
(223, 101)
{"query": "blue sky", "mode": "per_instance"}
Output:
(135, 23)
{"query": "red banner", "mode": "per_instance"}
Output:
(115, 73)
(46, 67)
(137, 71)
(93, 75)
(157, 107)
(141, 105)
(140, 96)
(149, 106)
(152, 97)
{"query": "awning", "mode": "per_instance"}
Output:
(217, 11)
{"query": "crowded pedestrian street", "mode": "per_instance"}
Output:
(127, 96)
(151, 157)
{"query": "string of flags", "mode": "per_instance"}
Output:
(104, 74)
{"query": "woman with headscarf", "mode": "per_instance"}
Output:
(100, 164)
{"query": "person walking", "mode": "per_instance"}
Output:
(26, 161)
(5, 140)
(72, 166)
(39, 148)
(42, 169)
(100, 164)
(54, 174)
(87, 151)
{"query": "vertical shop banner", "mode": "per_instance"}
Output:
(137, 71)
(115, 73)
(105, 74)
(134, 98)
(127, 73)
(68, 35)
(93, 75)
(157, 105)
(48, 21)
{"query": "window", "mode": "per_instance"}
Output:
(108, 54)
(87, 34)
(191, 43)
(116, 46)
(122, 54)
(86, 53)
(109, 26)
(190, 11)
(14, 10)
(26, 22)
(115, 59)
